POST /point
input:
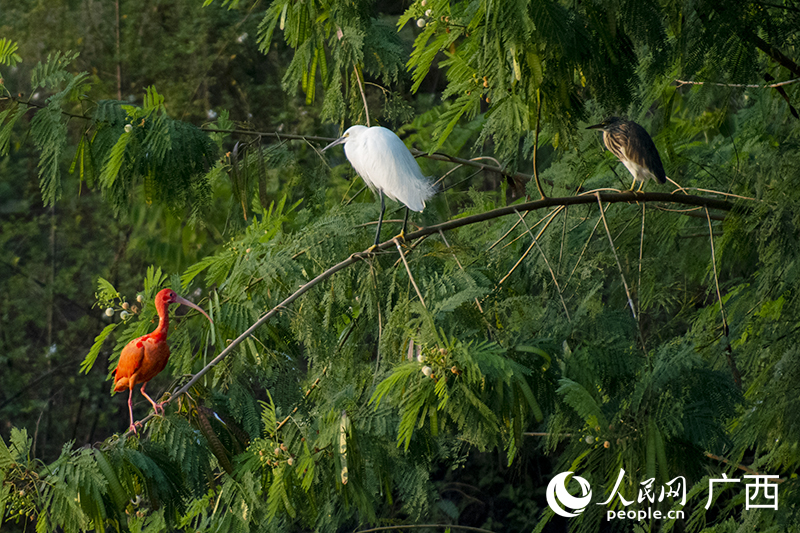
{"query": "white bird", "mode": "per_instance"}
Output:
(386, 166)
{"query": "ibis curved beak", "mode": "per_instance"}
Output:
(340, 140)
(184, 301)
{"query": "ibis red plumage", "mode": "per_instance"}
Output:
(145, 357)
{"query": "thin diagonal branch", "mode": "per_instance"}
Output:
(639, 283)
(737, 377)
(363, 96)
(743, 85)
(619, 265)
(410, 275)
(546, 262)
(525, 254)
(536, 144)
(446, 226)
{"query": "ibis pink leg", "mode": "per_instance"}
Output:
(130, 410)
(156, 406)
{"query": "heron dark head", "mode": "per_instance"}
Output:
(607, 124)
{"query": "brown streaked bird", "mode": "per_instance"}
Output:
(635, 148)
(144, 357)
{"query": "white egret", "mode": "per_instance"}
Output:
(386, 166)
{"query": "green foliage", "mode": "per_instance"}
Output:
(8, 52)
(401, 392)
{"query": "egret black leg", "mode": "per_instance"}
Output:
(380, 219)
(405, 223)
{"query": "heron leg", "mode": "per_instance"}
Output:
(156, 406)
(380, 221)
(641, 187)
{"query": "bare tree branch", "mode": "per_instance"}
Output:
(598, 197)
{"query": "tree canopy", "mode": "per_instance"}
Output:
(536, 320)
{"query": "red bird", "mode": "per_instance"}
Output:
(143, 358)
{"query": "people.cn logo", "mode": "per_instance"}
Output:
(558, 495)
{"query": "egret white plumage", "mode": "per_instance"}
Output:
(386, 166)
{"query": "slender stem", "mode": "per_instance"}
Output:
(639, 283)
(536, 143)
(737, 465)
(621, 274)
(616, 257)
(524, 255)
(410, 276)
(744, 85)
(119, 59)
(363, 96)
(716, 279)
(583, 251)
(737, 377)
(546, 262)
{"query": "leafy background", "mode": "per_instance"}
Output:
(169, 144)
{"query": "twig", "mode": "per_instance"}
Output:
(518, 237)
(536, 143)
(563, 238)
(619, 265)
(410, 275)
(524, 255)
(583, 250)
(746, 85)
(498, 241)
(694, 212)
(720, 193)
(639, 283)
(737, 377)
(737, 465)
(363, 96)
(546, 262)
(437, 182)
(716, 279)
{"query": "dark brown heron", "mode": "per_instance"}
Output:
(634, 147)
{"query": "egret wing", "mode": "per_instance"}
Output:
(383, 160)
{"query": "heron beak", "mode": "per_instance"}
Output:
(184, 301)
(595, 127)
(340, 140)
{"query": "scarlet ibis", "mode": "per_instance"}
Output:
(143, 358)
(385, 164)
